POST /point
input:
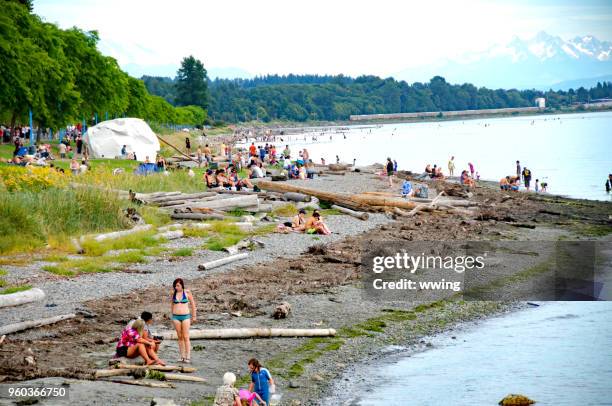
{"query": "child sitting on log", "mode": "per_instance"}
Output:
(133, 344)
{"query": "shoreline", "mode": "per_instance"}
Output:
(373, 123)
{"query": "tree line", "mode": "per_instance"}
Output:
(62, 77)
(330, 98)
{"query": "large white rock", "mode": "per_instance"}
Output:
(106, 139)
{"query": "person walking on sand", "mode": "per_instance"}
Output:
(526, 177)
(451, 166)
(609, 183)
(182, 318)
(518, 169)
(390, 171)
(188, 146)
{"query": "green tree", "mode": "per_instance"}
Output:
(192, 85)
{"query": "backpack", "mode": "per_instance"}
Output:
(422, 191)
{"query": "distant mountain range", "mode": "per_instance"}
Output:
(541, 62)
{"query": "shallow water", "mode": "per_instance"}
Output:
(558, 354)
(571, 152)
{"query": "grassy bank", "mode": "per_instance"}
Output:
(33, 218)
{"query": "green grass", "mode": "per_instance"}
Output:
(218, 243)
(55, 258)
(510, 280)
(58, 270)
(95, 264)
(15, 289)
(130, 257)
(2, 283)
(154, 216)
(29, 220)
(286, 210)
(196, 232)
(137, 240)
(3, 272)
(177, 180)
(237, 212)
(154, 251)
(183, 252)
(594, 230)
(223, 234)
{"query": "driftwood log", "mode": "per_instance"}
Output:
(220, 262)
(25, 325)
(253, 333)
(118, 234)
(18, 298)
(149, 384)
(229, 203)
(354, 202)
(163, 368)
(169, 235)
(361, 215)
(425, 206)
(105, 373)
(296, 197)
(196, 216)
(186, 378)
(337, 167)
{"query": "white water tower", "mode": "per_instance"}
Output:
(540, 102)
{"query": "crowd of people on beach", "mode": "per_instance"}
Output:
(523, 176)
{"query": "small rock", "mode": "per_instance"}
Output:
(162, 402)
(51, 305)
(454, 338)
(317, 378)
(236, 314)
(516, 400)
(293, 384)
(429, 345)
(281, 311)
(86, 313)
(29, 360)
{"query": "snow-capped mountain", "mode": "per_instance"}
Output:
(538, 62)
(544, 46)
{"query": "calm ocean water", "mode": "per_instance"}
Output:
(571, 152)
(558, 354)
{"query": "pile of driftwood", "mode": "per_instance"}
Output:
(158, 375)
(358, 205)
(214, 204)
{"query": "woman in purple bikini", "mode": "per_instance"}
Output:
(182, 318)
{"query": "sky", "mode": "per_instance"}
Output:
(316, 36)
